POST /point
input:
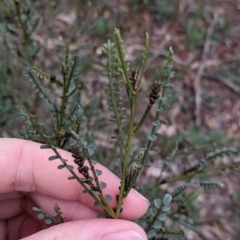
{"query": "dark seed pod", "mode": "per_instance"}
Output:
(53, 78)
(154, 95)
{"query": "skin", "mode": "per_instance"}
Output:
(29, 180)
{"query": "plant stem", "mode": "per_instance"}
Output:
(144, 116)
(112, 95)
(25, 34)
(122, 194)
(101, 200)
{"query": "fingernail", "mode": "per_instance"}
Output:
(129, 235)
(141, 196)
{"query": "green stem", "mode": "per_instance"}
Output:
(121, 55)
(112, 95)
(25, 34)
(122, 194)
(143, 118)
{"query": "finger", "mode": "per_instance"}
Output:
(26, 168)
(20, 226)
(3, 230)
(72, 210)
(10, 208)
(92, 229)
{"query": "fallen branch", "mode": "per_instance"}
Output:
(200, 72)
(232, 86)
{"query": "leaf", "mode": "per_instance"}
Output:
(166, 208)
(156, 123)
(71, 178)
(45, 146)
(165, 122)
(152, 137)
(72, 142)
(36, 209)
(108, 198)
(152, 233)
(138, 165)
(53, 158)
(63, 160)
(98, 172)
(95, 192)
(92, 146)
(166, 107)
(157, 224)
(103, 185)
(155, 149)
(94, 162)
(82, 179)
(162, 217)
(84, 143)
(167, 199)
(40, 215)
(157, 203)
(90, 151)
(153, 211)
(69, 167)
(84, 191)
(61, 166)
(48, 221)
(96, 204)
(169, 85)
(160, 109)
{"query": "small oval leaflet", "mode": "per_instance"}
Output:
(72, 142)
(37, 209)
(95, 192)
(157, 224)
(45, 146)
(108, 198)
(98, 172)
(153, 211)
(61, 166)
(157, 203)
(53, 158)
(90, 151)
(151, 233)
(96, 204)
(48, 221)
(152, 137)
(103, 185)
(138, 165)
(40, 215)
(155, 149)
(167, 199)
(156, 123)
(71, 178)
(166, 208)
(160, 109)
(162, 217)
(164, 122)
(69, 167)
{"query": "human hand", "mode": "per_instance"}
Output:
(29, 180)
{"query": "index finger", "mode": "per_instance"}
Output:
(25, 168)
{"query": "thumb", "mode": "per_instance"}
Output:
(92, 229)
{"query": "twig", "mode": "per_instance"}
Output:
(232, 86)
(200, 72)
